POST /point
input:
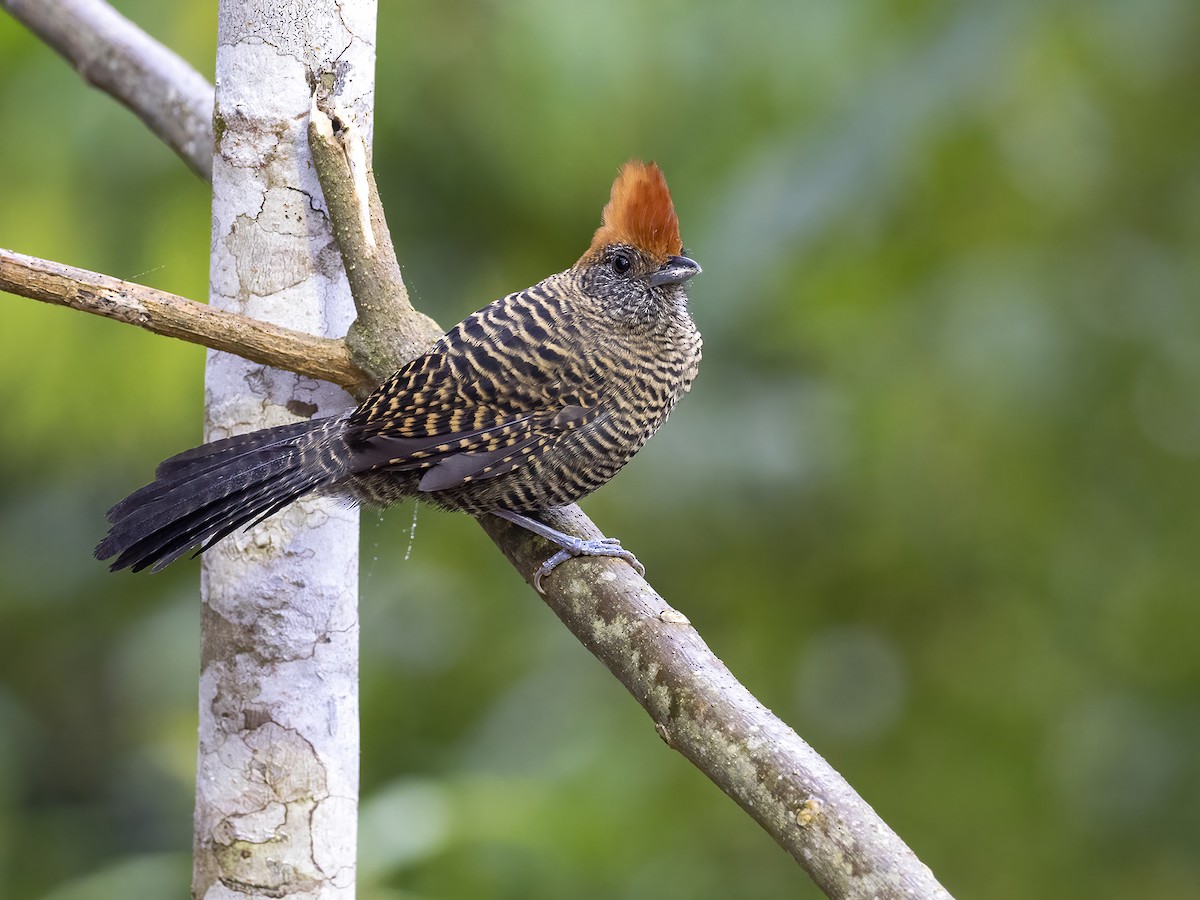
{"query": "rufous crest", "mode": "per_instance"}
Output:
(640, 213)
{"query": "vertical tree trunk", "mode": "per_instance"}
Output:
(277, 779)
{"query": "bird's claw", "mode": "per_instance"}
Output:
(601, 547)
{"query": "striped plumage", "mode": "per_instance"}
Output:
(532, 402)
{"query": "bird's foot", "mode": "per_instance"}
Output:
(580, 547)
(571, 546)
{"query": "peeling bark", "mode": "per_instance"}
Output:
(277, 782)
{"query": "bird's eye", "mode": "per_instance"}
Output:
(621, 263)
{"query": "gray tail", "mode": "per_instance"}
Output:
(203, 494)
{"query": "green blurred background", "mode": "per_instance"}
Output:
(934, 498)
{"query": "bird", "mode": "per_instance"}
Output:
(529, 404)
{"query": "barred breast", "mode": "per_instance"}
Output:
(535, 401)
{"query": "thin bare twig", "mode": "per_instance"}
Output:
(111, 53)
(326, 359)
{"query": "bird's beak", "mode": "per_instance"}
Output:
(676, 270)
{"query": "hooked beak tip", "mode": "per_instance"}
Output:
(676, 270)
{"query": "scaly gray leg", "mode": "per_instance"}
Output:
(571, 545)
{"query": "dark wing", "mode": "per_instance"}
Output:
(496, 389)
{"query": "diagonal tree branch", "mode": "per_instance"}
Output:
(111, 53)
(701, 710)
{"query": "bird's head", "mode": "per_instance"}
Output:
(636, 263)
